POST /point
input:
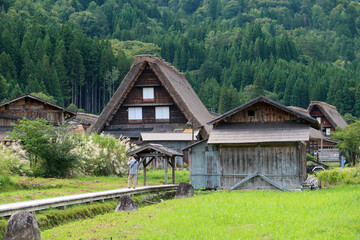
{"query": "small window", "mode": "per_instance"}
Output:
(318, 119)
(135, 113)
(148, 93)
(162, 113)
(251, 113)
(328, 131)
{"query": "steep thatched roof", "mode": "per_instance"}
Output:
(173, 81)
(330, 112)
(299, 114)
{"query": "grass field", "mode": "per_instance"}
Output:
(325, 214)
(37, 188)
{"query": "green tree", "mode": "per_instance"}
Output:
(3, 89)
(349, 140)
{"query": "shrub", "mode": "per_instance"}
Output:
(50, 149)
(338, 176)
(12, 159)
(101, 155)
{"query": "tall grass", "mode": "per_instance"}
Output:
(326, 214)
(338, 176)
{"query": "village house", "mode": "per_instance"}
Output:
(329, 119)
(260, 144)
(30, 107)
(155, 104)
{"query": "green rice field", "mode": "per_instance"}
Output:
(332, 213)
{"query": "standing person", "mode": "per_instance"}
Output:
(133, 171)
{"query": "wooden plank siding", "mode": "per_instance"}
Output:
(283, 163)
(29, 108)
(263, 112)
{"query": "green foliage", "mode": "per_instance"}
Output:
(338, 176)
(34, 136)
(44, 97)
(349, 141)
(310, 157)
(132, 48)
(297, 51)
(50, 150)
(72, 107)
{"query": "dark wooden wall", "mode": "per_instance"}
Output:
(30, 108)
(135, 98)
(315, 112)
(263, 112)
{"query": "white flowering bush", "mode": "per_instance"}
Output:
(100, 155)
(13, 159)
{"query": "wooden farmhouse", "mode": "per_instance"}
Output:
(260, 144)
(329, 119)
(154, 101)
(30, 107)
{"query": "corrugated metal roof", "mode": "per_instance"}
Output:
(260, 133)
(186, 137)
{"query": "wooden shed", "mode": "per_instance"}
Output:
(261, 140)
(30, 107)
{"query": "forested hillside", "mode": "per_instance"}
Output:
(231, 50)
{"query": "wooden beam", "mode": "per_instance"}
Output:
(173, 169)
(151, 159)
(151, 155)
(166, 170)
(144, 163)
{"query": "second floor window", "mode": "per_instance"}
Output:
(135, 113)
(162, 113)
(148, 93)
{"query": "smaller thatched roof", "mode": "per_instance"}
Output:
(330, 112)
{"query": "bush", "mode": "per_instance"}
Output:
(12, 159)
(101, 155)
(49, 149)
(338, 176)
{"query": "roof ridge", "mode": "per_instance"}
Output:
(322, 103)
(159, 60)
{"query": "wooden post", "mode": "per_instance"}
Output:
(166, 169)
(144, 164)
(173, 169)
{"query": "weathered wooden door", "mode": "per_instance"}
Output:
(213, 169)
